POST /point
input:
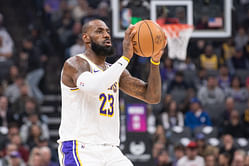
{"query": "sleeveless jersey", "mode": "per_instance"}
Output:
(87, 118)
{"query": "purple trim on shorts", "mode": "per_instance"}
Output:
(68, 149)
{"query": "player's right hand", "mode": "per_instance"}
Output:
(127, 42)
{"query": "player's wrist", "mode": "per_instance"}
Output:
(154, 62)
(126, 58)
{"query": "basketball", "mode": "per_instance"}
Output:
(149, 38)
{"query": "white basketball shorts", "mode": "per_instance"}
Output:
(74, 153)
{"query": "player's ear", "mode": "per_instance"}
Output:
(86, 38)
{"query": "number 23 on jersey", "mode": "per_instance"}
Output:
(106, 98)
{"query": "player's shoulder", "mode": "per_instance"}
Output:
(75, 60)
(76, 63)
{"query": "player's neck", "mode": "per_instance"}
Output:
(98, 60)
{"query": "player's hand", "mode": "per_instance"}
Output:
(157, 57)
(127, 42)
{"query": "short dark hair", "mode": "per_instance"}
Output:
(87, 24)
(179, 147)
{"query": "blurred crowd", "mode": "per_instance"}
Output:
(203, 118)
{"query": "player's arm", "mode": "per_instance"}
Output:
(149, 92)
(77, 71)
(72, 69)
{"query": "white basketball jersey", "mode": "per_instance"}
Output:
(87, 118)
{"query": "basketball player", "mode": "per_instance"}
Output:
(89, 130)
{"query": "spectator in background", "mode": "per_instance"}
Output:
(228, 49)
(47, 143)
(246, 49)
(179, 152)
(185, 106)
(234, 126)
(177, 83)
(35, 71)
(65, 28)
(238, 62)
(191, 157)
(241, 38)
(185, 65)
(164, 18)
(203, 148)
(223, 159)
(210, 160)
(238, 159)
(209, 60)
(211, 94)
(247, 160)
(41, 42)
(29, 106)
(77, 48)
(12, 157)
(13, 90)
(167, 71)
(81, 10)
(35, 158)
(237, 92)
(228, 146)
(178, 88)
(197, 48)
(13, 129)
(196, 116)
(29, 129)
(15, 159)
(225, 115)
(71, 4)
(52, 12)
(6, 115)
(202, 78)
(23, 151)
(202, 22)
(160, 135)
(75, 33)
(10, 148)
(35, 134)
(13, 74)
(22, 62)
(6, 42)
(224, 79)
(157, 147)
(46, 157)
(245, 118)
(163, 158)
(171, 116)
(6, 51)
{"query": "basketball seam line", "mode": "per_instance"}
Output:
(138, 39)
(151, 37)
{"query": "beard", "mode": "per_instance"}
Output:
(102, 50)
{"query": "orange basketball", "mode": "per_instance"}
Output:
(149, 39)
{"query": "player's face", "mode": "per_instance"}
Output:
(101, 39)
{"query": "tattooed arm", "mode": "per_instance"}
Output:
(149, 92)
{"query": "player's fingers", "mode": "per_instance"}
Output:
(133, 32)
(159, 54)
(129, 29)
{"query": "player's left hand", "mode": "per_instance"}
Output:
(156, 58)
